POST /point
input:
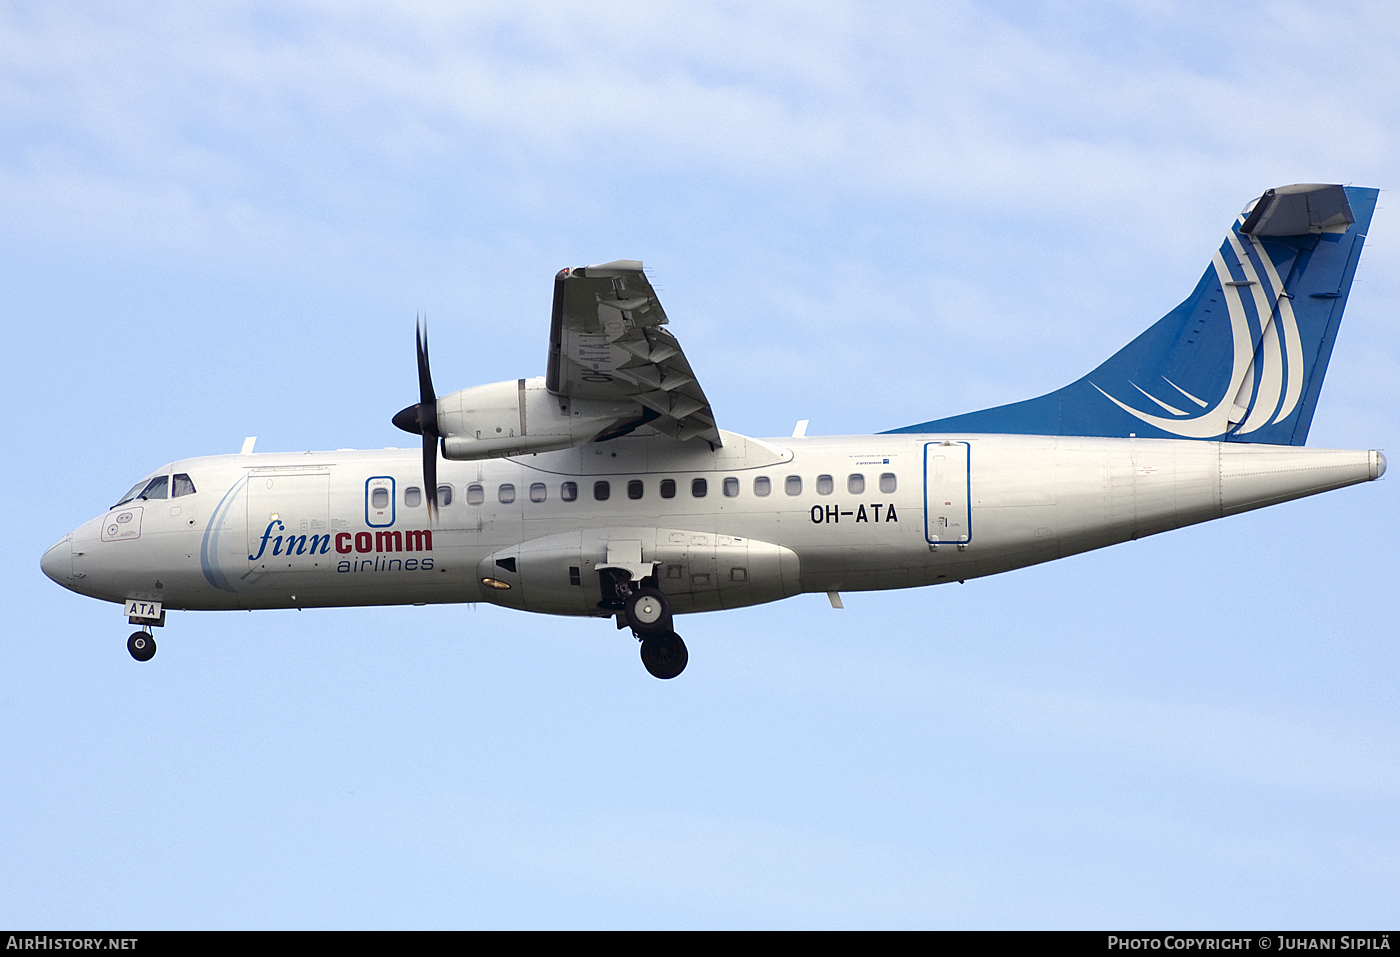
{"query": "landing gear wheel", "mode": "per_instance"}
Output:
(142, 646)
(664, 655)
(648, 611)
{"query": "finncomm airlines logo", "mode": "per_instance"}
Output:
(375, 547)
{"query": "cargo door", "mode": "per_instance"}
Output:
(289, 520)
(947, 493)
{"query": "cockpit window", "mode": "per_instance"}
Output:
(159, 487)
(135, 491)
(150, 488)
(182, 485)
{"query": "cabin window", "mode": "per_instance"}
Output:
(855, 484)
(475, 495)
(793, 485)
(825, 485)
(182, 485)
(601, 491)
(698, 487)
(506, 494)
(887, 482)
(762, 486)
(445, 495)
(379, 498)
(413, 497)
(731, 487)
(634, 489)
(668, 488)
(569, 491)
(537, 492)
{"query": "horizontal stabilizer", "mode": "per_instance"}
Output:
(1299, 210)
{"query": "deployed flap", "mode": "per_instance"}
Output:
(606, 343)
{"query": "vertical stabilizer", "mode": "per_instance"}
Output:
(1243, 358)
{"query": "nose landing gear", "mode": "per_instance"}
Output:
(141, 645)
(147, 614)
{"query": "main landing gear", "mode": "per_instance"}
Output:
(142, 645)
(647, 611)
(664, 654)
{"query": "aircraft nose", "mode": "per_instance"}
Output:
(57, 562)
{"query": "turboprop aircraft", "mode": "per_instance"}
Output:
(606, 487)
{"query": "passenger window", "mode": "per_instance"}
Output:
(634, 489)
(445, 495)
(668, 488)
(537, 492)
(601, 491)
(506, 494)
(475, 494)
(793, 485)
(413, 497)
(731, 487)
(855, 484)
(568, 491)
(182, 485)
(378, 498)
(698, 488)
(825, 485)
(887, 482)
(762, 486)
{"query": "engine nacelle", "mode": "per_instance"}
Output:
(520, 415)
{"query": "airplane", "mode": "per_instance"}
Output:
(606, 487)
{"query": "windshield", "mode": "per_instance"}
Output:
(147, 489)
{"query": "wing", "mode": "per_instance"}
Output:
(606, 342)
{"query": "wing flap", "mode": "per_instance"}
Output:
(607, 344)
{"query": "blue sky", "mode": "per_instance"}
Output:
(220, 221)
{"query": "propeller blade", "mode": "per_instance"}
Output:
(421, 419)
(427, 419)
(426, 395)
(430, 475)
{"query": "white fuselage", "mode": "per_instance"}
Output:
(841, 513)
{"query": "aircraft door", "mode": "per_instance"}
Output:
(947, 493)
(380, 505)
(289, 520)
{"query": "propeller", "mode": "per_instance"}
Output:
(421, 419)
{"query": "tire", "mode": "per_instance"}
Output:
(142, 646)
(664, 655)
(648, 611)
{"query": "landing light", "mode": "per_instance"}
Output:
(495, 583)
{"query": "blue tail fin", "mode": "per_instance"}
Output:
(1243, 358)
